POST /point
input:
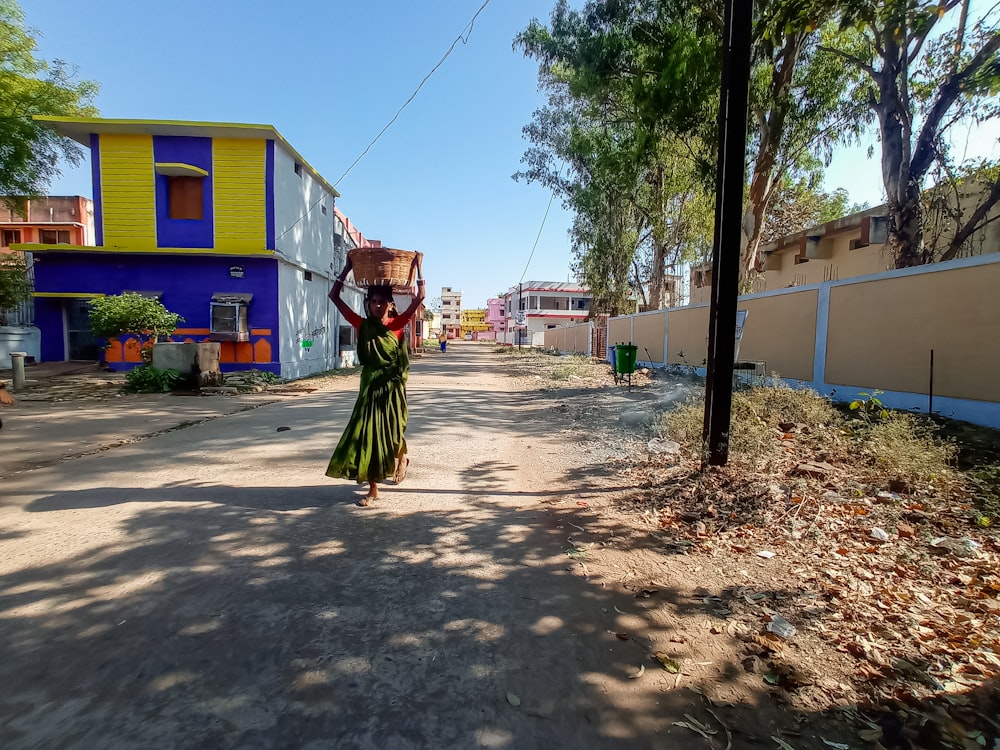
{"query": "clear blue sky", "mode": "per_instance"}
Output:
(329, 75)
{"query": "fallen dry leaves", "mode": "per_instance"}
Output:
(905, 585)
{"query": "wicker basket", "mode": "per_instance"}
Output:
(382, 266)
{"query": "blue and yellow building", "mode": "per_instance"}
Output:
(225, 223)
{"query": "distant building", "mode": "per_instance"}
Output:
(474, 323)
(853, 245)
(56, 220)
(451, 312)
(495, 316)
(53, 220)
(533, 307)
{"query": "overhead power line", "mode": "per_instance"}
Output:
(463, 37)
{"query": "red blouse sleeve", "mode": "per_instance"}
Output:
(353, 318)
(397, 324)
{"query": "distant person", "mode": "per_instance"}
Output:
(443, 340)
(373, 445)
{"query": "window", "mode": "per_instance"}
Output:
(53, 236)
(323, 209)
(346, 337)
(298, 169)
(10, 237)
(185, 197)
(308, 275)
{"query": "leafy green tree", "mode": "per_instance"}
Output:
(15, 289)
(30, 152)
(644, 75)
(927, 65)
(132, 314)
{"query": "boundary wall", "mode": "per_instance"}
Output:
(864, 333)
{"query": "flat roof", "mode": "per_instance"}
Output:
(81, 128)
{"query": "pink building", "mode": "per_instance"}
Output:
(495, 315)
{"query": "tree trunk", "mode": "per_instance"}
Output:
(906, 232)
(772, 129)
(655, 301)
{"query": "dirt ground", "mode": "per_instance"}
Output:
(897, 634)
(208, 587)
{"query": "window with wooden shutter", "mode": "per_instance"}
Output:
(185, 196)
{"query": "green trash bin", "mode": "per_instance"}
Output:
(625, 361)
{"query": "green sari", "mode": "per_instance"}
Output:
(374, 435)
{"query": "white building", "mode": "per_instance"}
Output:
(451, 311)
(533, 307)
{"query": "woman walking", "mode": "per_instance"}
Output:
(373, 445)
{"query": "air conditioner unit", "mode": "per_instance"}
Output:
(229, 317)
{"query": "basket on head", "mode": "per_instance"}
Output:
(382, 265)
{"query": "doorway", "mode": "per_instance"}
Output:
(82, 343)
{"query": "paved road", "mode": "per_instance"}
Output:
(208, 587)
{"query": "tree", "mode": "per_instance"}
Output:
(132, 314)
(30, 152)
(645, 74)
(927, 66)
(15, 289)
(603, 145)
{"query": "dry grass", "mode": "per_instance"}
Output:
(900, 448)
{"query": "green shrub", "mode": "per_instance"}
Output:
(985, 481)
(132, 314)
(15, 288)
(148, 379)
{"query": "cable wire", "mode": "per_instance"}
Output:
(540, 228)
(463, 37)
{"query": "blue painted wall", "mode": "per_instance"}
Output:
(184, 232)
(95, 177)
(187, 283)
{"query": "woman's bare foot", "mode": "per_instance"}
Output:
(402, 464)
(371, 497)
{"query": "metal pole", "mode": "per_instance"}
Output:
(728, 220)
(930, 388)
(517, 327)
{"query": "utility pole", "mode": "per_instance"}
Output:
(517, 317)
(728, 220)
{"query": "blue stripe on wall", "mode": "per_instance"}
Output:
(269, 195)
(184, 232)
(95, 176)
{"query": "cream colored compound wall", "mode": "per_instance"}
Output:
(571, 340)
(861, 334)
(881, 333)
(780, 331)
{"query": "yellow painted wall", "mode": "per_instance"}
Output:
(238, 179)
(781, 330)
(687, 331)
(128, 198)
(881, 333)
(649, 330)
(843, 263)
